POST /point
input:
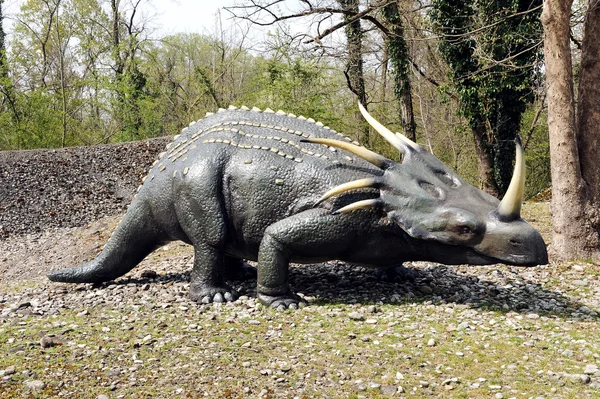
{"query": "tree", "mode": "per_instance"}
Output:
(354, 59)
(492, 48)
(266, 13)
(8, 99)
(398, 55)
(573, 127)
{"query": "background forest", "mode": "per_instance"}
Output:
(462, 77)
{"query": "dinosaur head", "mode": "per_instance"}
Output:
(459, 223)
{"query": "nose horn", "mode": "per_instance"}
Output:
(510, 206)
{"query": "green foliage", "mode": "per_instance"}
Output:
(493, 70)
(300, 87)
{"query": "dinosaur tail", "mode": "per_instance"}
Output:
(135, 237)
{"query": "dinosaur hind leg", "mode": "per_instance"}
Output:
(135, 237)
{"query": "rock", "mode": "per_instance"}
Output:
(360, 387)
(372, 309)
(10, 370)
(463, 326)
(568, 353)
(149, 274)
(35, 385)
(590, 369)
(431, 342)
(101, 397)
(48, 341)
(579, 378)
(425, 290)
(285, 367)
(388, 390)
(356, 316)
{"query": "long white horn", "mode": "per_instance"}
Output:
(402, 143)
(510, 206)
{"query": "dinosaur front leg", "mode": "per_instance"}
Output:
(313, 234)
(273, 286)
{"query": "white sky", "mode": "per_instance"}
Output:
(189, 15)
(170, 15)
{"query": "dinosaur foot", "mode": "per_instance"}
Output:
(205, 294)
(282, 302)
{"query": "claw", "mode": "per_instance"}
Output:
(218, 298)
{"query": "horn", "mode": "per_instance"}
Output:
(510, 206)
(368, 155)
(402, 143)
(368, 203)
(368, 182)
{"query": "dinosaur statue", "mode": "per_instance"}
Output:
(275, 188)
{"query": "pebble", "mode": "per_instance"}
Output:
(388, 390)
(356, 316)
(579, 378)
(35, 385)
(431, 342)
(49, 341)
(590, 369)
(149, 274)
(285, 367)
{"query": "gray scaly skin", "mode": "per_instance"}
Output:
(275, 188)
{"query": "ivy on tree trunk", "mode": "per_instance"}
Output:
(354, 66)
(399, 58)
(491, 48)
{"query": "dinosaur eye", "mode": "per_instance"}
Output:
(463, 229)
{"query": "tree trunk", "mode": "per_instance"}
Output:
(485, 162)
(3, 66)
(384, 72)
(8, 96)
(574, 236)
(119, 65)
(398, 53)
(588, 115)
(354, 66)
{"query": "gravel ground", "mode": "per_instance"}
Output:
(41, 189)
(443, 331)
